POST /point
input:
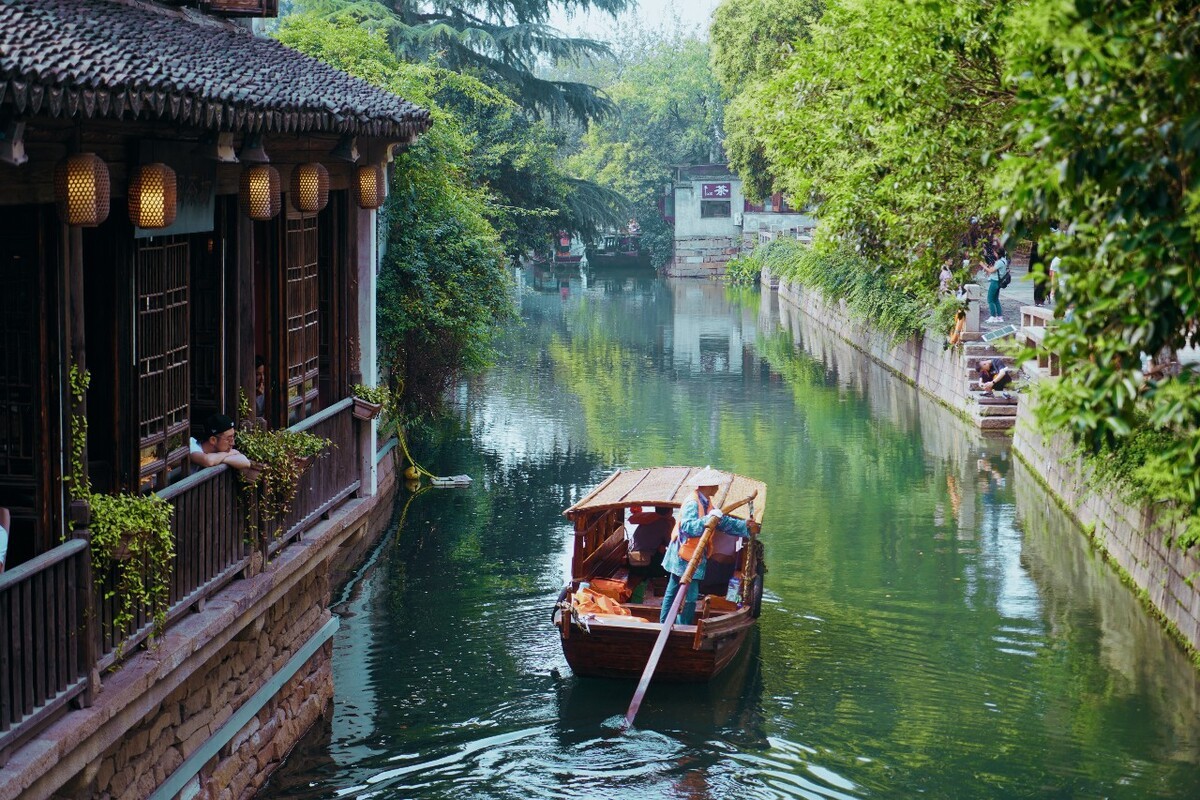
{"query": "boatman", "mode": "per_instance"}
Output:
(697, 511)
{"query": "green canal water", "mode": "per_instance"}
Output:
(933, 624)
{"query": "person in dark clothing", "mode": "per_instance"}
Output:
(994, 374)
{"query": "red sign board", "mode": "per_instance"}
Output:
(715, 191)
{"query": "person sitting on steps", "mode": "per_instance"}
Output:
(994, 374)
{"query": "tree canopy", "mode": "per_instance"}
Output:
(1108, 142)
(502, 40)
(668, 112)
(443, 285)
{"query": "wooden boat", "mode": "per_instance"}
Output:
(618, 645)
(618, 250)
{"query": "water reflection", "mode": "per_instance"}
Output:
(932, 623)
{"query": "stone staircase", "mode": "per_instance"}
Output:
(997, 413)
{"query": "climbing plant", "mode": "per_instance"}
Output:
(127, 533)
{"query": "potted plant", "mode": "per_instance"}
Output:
(132, 535)
(369, 401)
(281, 456)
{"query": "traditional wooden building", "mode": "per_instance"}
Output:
(178, 198)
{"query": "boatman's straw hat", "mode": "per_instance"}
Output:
(710, 477)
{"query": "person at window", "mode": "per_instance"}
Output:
(697, 511)
(5, 527)
(260, 385)
(994, 374)
(217, 447)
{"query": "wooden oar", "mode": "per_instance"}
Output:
(661, 642)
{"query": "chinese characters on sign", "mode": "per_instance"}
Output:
(715, 191)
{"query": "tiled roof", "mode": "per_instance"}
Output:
(125, 59)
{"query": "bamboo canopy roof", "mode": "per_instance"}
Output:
(666, 486)
(127, 60)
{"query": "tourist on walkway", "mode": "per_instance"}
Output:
(996, 271)
(696, 512)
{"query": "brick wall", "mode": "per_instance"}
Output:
(702, 256)
(176, 727)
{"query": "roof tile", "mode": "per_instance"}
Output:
(168, 63)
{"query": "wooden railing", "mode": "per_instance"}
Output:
(209, 527)
(55, 618)
(331, 478)
(46, 648)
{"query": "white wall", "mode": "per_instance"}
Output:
(687, 209)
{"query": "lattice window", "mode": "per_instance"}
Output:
(161, 349)
(303, 340)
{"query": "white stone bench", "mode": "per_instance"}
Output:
(1034, 322)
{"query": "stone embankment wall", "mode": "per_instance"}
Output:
(702, 256)
(1129, 536)
(921, 360)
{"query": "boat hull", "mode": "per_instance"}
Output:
(605, 651)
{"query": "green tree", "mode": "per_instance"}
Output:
(1109, 139)
(669, 112)
(443, 286)
(752, 40)
(883, 119)
(500, 40)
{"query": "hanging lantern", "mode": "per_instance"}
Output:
(81, 190)
(310, 187)
(152, 197)
(259, 192)
(372, 187)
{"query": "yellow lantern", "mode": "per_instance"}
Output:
(259, 192)
(372, 186)
(81, 190)
(310, 187)
(153, 196)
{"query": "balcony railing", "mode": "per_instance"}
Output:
(56, 622)
(210, 549)
(331, 478)
(46, 650)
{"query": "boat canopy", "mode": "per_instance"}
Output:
(665, 486)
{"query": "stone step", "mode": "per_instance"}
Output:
(997, 411)
(973, 361)
(996, 400)
(997, 423)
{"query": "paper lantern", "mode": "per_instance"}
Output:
(153, 197)
(310, 187)
(259, 192)
(372, 187)
(81, 190)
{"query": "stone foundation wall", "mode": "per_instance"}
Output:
(183, 721)
(919, 360)
(1129, 536)
(702, 256)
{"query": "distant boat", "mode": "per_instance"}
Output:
(618, 250)
(567, 252)
(618, 645)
